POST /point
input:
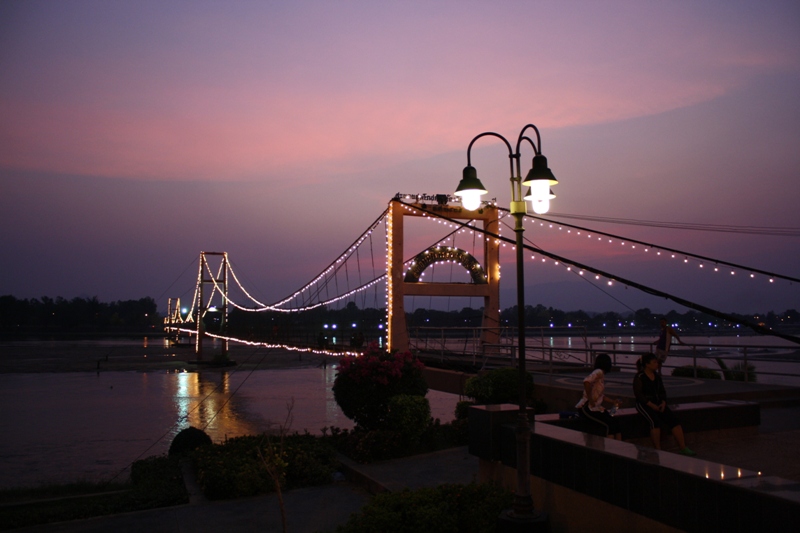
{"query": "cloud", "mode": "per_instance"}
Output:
(270, 94)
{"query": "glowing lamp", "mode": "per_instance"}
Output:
(470, 189)
(540, 207)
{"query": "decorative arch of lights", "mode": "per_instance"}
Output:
(401, 282)
(446, 254)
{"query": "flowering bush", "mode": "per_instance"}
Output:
(365, 384)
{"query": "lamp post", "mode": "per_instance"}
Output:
(539, 178)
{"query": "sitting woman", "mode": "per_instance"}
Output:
(591, 405)
(651, 403)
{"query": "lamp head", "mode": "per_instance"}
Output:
(470, 189)
(540, 171)
(539, 179)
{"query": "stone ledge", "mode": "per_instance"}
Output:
(686, 493)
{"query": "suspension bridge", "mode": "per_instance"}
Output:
(377, 270)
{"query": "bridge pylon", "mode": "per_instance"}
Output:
(203, 304)
(399, 285)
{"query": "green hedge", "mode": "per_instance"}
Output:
(237, 468)
(451, 508)
(498, 386)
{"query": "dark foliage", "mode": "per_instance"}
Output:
(381, 444)
(498, 386)
(156, 482)
(236, 468)
(450, 508)
(78, 314)
(188, 440)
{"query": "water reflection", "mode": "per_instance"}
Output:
(81, 425)
(204, 400)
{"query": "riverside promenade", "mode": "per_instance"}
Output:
(771, 451)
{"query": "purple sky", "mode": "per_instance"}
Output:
(135, 134)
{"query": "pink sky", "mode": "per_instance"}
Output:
(228, 122)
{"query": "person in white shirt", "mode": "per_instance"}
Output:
(591, 404)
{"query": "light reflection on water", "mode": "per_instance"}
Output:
(70, 426)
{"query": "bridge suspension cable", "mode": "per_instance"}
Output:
(724, 228)
(644, 288)
(667, 249)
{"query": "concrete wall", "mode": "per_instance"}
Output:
(573, 473)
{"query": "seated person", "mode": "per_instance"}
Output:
(591, 405)
(651, 403)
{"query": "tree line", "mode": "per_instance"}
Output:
(91, 315)
(59, 315)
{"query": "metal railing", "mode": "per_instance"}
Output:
(731, 361)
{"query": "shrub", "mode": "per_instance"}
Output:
(409, 416)
(687, 371)
(187, 440)
(462, 409)
(158, 482)
(236, 468)
(365, 384)
(738, 372)
(450, 508)
(498, 386)
(381, 444)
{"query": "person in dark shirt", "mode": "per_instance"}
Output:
(651, 403)
(664, 342)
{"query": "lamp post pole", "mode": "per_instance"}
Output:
(522, 516)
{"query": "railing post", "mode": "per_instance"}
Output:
(694, 359)
(744, 366)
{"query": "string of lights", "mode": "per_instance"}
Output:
(724, 228)
(611, 279)
(543, 222)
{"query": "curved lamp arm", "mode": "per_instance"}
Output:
(539, 178)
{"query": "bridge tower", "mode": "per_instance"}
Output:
(219, 282)
(399, 285)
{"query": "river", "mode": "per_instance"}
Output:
(62, 426)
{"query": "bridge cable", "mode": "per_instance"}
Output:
(673, 250)
(644, 288)
(193, 262)
(584, 279)
(722, 228)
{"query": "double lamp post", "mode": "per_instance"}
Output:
(538, 180)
